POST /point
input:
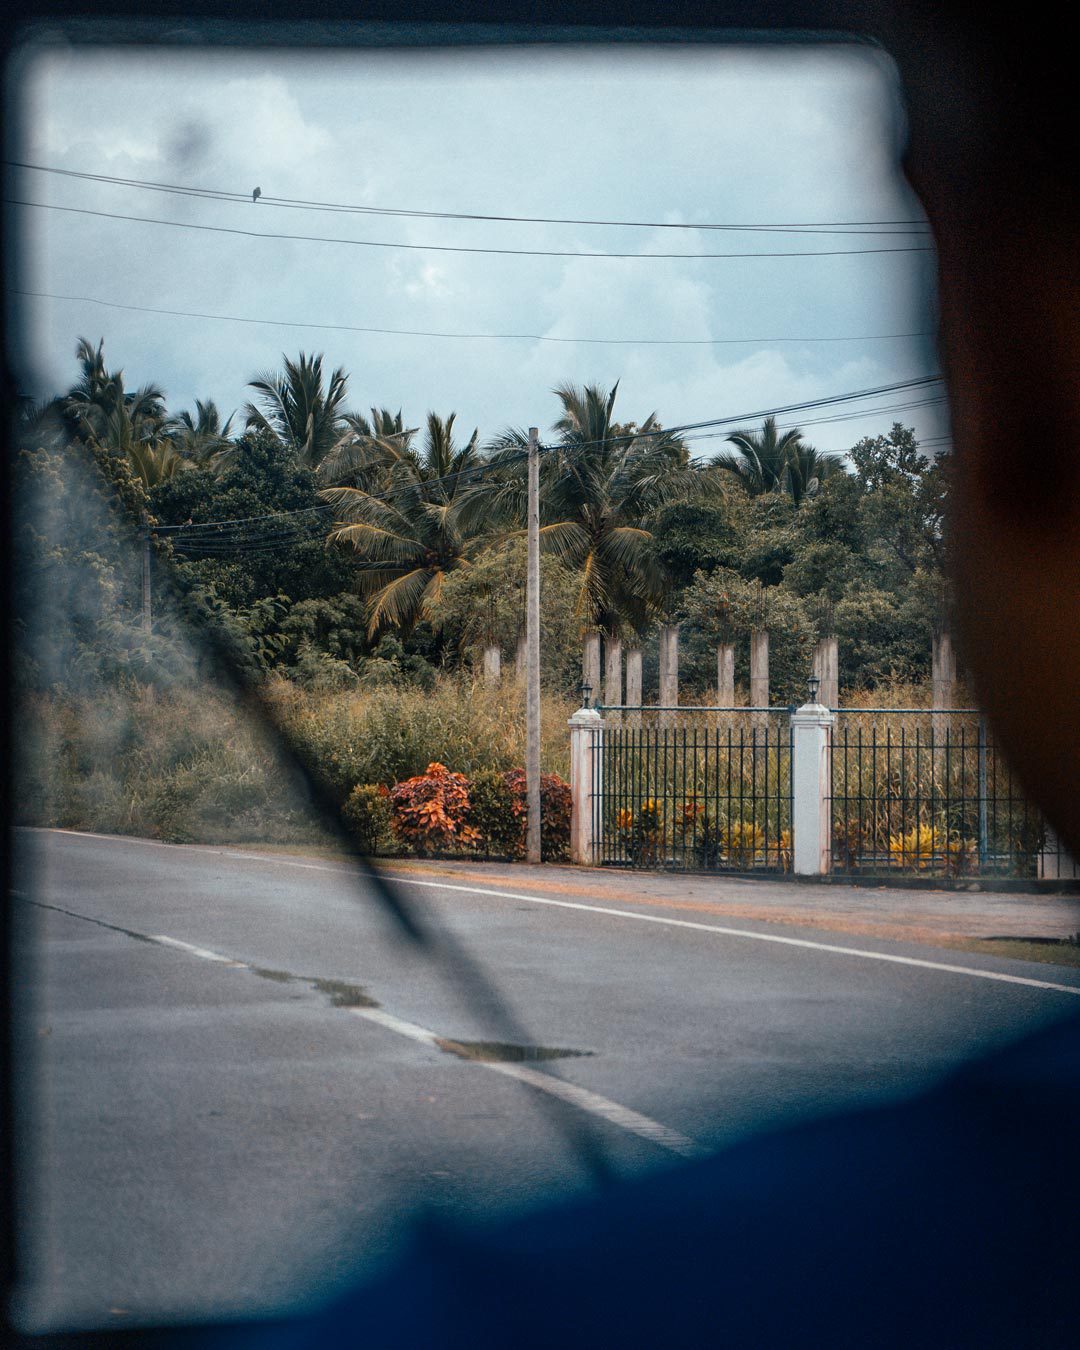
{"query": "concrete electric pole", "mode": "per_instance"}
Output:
(532, 657)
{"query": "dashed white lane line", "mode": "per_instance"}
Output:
(613, 1112)
(204, 953)
(622, 1116)
(890, 958)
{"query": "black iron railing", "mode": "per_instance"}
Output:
(694, 789)
(928, 793)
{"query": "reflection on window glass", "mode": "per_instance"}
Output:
(265, 300)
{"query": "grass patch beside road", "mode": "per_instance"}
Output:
(1052, 951)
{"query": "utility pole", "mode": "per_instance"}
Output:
(532, 657)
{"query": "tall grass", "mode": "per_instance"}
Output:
(185, 765)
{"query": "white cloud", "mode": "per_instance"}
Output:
(661, 135)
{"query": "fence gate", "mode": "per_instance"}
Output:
(694, 789)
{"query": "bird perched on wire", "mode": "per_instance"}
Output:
(256, 194)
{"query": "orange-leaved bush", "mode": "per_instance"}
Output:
(431, 810)
(555, 805)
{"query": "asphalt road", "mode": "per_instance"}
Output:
(238, 1082)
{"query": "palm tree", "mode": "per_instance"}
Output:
(298, 410)
(202, 439)
(100, 411)
(600, 487)
(808, 468)
(766, 461)
(406, 533)
(364, 450)
(98, 408)
(761, 458)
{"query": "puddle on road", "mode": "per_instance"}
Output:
(504, 1052)
(341, 993)
(344, 995)
(278, 976)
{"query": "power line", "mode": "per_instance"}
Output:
(242, 520)
(448, 248)
(921, 382)
(299, 203)
(494, 337)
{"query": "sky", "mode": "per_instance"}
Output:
(678, 135)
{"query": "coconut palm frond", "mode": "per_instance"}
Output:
(398, 603)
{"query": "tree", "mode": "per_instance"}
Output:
(203, 439)
(102, 413)
(768, 461)
(258, 478)
(296, 408)
(601, 487)
(407, 534)
(485, 603)
(904, 499)
(723, 607)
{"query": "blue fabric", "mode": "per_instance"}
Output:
(949, 1221)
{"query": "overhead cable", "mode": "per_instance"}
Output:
(449, 248)
(492, 337)
(299, 203)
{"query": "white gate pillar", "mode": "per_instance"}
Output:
(586, 779)
(811, 731)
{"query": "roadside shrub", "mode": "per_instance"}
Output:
(493, 814)
(431, 811)
(368, 814)
(555, 807)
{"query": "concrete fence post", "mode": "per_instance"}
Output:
(613, 673)
(633, 677)
(825, 664)
(669, 671)
(811, 732)
(586, 785)
(520, 656)
(725, 674)
(943, 678)
(492, 664)
(759, 668)
(590, 664)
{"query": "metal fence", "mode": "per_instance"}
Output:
(921, 793)
(694, 789)
(911, 793)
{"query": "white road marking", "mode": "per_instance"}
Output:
(891, 958)
(203, 953)
(615, 1114)
(622, 1116)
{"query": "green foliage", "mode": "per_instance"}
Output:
(408, 532)
(493, 814)
(367, 812)
(723, 607)
(387, 734)
(883, 637)
(823, 567)
(485, 603)
(696, 536)
(260, 477)
(332, 625)
(600, 489)
(181, 766)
